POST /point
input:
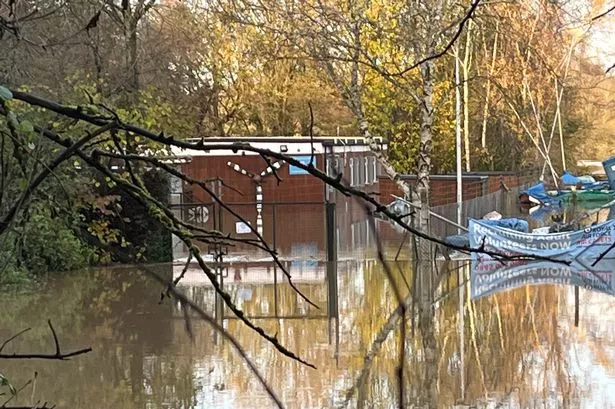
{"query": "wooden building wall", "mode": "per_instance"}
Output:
(293, 208)
(241, 189)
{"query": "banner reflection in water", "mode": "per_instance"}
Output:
(490, 276)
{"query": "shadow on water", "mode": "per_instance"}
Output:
(475, 335)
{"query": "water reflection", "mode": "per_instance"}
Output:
(491, 276)
(518, 348)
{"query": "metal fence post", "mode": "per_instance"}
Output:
(275, 267)
(331, 230)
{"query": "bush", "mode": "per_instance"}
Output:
(49, 245)
(148, 240)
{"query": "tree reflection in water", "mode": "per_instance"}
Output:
(520, 348)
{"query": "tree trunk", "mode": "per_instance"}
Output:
(466, 96)
(200, 129)
(424, 159)
(218, 122)
(353, 101)
(483, 138)
(132, 57)
(98, 63)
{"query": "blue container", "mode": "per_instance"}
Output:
(609, 169)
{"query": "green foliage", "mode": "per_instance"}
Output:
(151, 108)
(124, 224)
(79, 206)
(394, 114)
(5, 94)
(5, 382)
(37, 240)
(49, 245)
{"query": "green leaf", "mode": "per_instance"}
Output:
(12, 118)
(5, 94)
(26, 127)
(5, 382)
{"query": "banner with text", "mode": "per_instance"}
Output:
(491, 277)
(584, 245)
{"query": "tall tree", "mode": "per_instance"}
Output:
(128, 14)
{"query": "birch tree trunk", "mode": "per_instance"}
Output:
(494, 54)
(466, 96)
(352, 93)
(424, 159)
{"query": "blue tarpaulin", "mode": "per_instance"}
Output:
(569, 179)
(587, 182)
(539, 193)
(603, 185)
(510, 223)
(586, 244)
(460, 240)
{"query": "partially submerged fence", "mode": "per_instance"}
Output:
(501, 194)
(295, 229)
(503, 201)
(474, 184)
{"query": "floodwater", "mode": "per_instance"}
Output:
(515, 349)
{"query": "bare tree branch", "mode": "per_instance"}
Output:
(599, 16)
(166, 217)
(201, 146)
(448, 46)
(13, 337)
(57, 355)
(71, 148)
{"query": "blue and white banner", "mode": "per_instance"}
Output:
(582, 245)
(491, 277)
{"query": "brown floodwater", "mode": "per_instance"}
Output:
(516, 349)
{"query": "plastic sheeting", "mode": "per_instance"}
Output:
(569, 179)
(510, 223)
(463, 240)
(539, 193)
(585, 181)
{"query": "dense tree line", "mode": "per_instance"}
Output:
(238, 68)
(530, 92)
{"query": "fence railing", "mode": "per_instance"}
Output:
(504, 202)
(295, 230)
